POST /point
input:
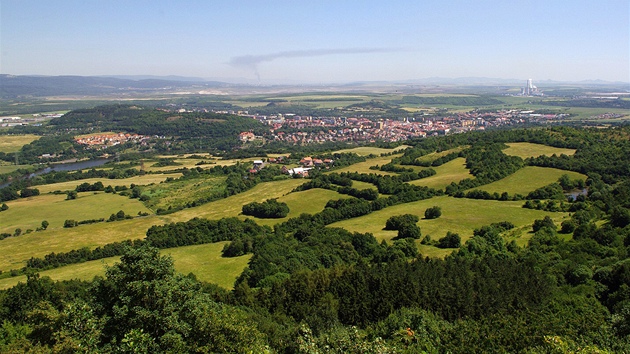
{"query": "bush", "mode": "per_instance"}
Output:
(270, 208)
(395, 222)
(433, 212)
(545, 222)
(409, 231)
(70, 223)
(451, 240)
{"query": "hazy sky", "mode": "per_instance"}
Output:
(318, 41)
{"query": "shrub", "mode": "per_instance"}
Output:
(433, 212)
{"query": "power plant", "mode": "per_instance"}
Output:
(530, 89)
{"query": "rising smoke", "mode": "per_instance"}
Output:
(250, 62)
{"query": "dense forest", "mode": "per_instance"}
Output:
(309, 288)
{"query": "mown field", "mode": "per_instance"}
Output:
(13, 143)
(525, 150)
(364, 167)
(528, 179)
(204, 261)
(436, 155)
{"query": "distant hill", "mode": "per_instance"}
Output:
(12, 86)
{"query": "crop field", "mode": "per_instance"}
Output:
(367, 150)
(310, 201)
(28, 213)
(525, 150)
(452, 171)
(204, 261)
(137, 180)
(459, 215)
(527, 179)
(178, 193)
(13, 143)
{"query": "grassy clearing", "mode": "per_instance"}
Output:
(13, 143)
(232, 205)
(364, 167)
(459, 215)
(436, 155)
(310, 201)
(363, 185)
(17, 250)
(529, 179)
(11, 168)
(367, 150)
(525, 150)
(28, 213)
(452, 171)
(204, 261)
(137, 180)
(178, 193)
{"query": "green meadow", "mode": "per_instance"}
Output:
(436, 155)
(452, 171)
(28, 213)
(204, 261)
(364, 167)
(525, 150)
(459, 215)
(367, 150)
(311, 201)
(137, 180)
(13, 143)
(527, 179)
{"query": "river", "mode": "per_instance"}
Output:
(69, 166)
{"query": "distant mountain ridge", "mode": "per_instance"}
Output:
(13, 86)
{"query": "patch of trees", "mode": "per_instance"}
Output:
(86, 187)
(270, 208)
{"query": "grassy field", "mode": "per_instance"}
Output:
(28, 213)
(232, 206)
(13, 143)
(435, 155)
(137, 180)
(459, 215)
(364, 167)
(17, 250)
(524, 150)
(528, 179)
(452, 171)
(178, 193)
(11, 168)
(204, 261)
(310, 201)
(367, 150)
(363, 185)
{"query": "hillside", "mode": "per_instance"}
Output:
(516, 235)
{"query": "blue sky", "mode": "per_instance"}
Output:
(318, 41)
